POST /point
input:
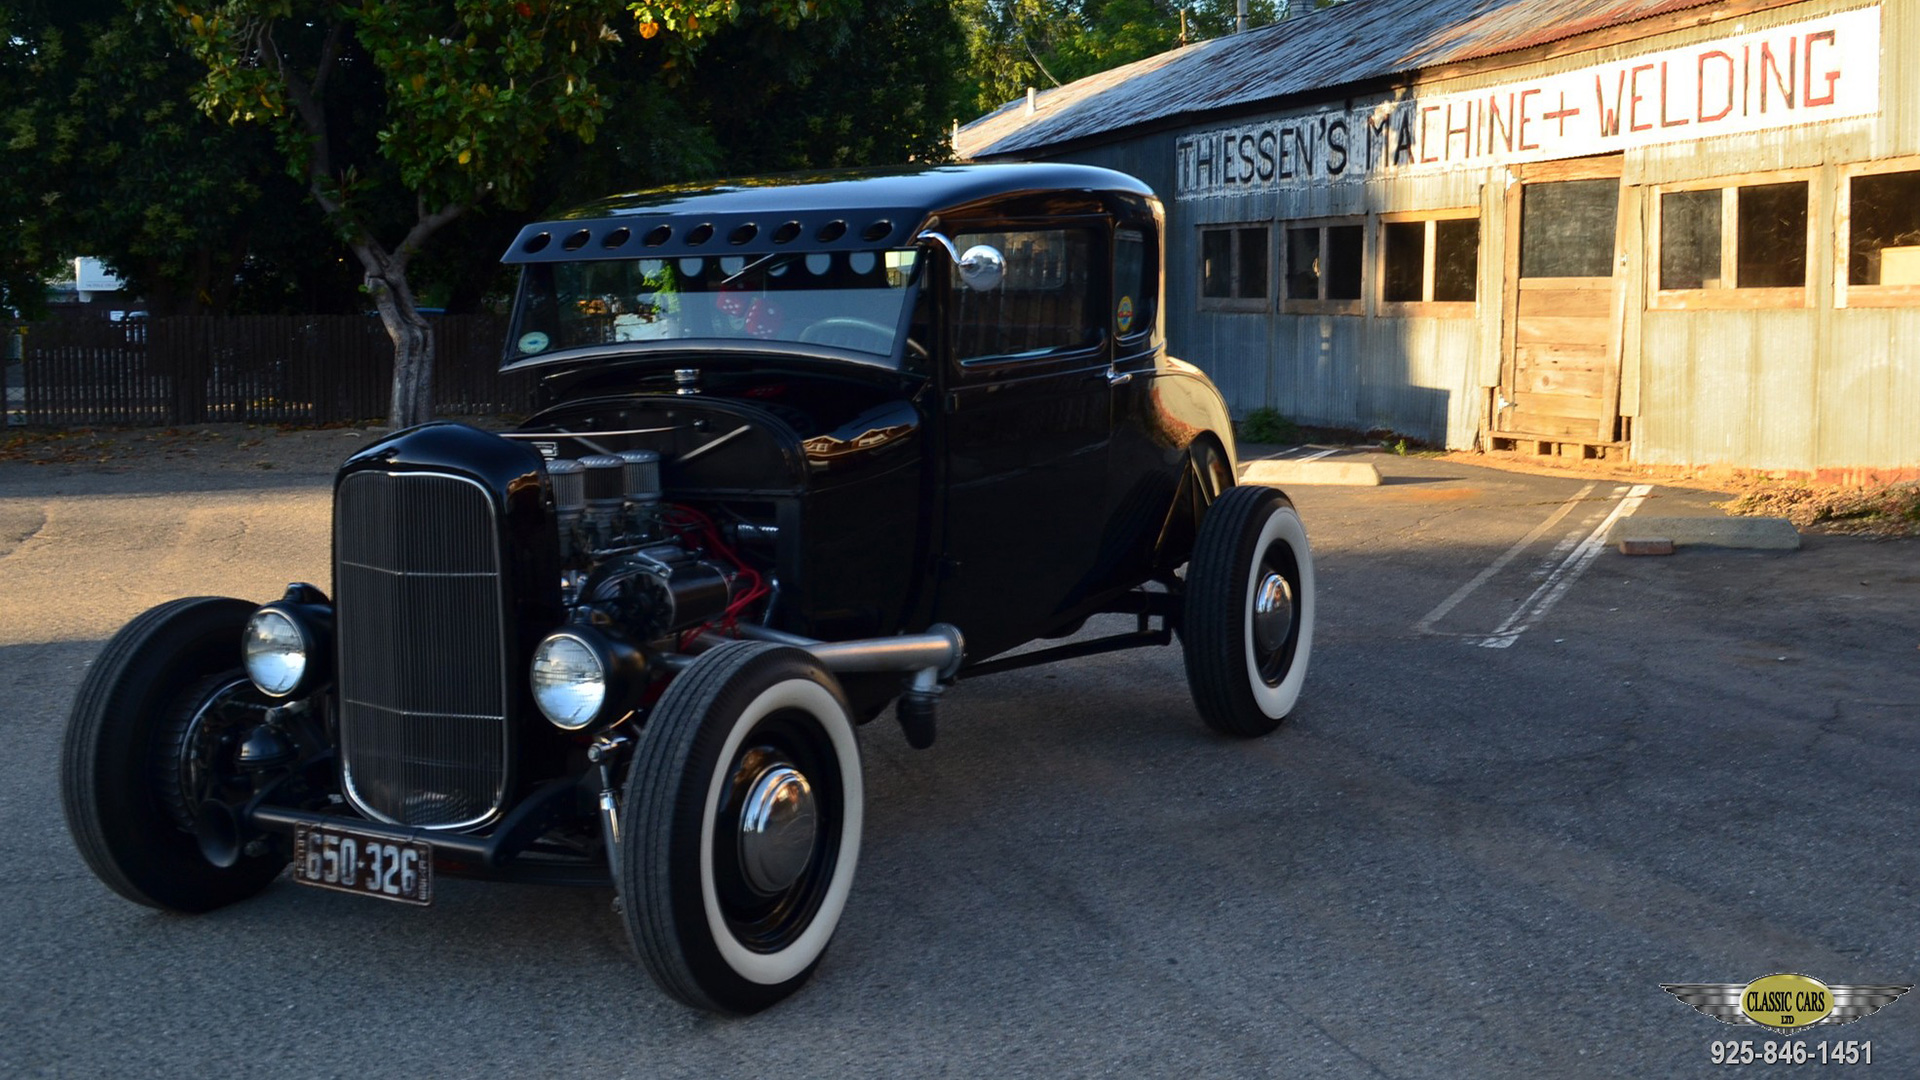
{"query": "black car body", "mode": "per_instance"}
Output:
(803, 448)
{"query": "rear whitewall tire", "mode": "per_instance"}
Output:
(1242, 686)
(1277, 701)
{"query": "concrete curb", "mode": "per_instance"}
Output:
(1753, 533)
(1349, 473)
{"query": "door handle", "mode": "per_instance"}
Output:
(1118, 378)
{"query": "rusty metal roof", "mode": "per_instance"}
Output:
(1351, 43)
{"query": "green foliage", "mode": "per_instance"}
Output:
(1264, 425)
(27, 53)
(1014, 44)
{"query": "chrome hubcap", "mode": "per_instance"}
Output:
(778, 827)
(1272, 613)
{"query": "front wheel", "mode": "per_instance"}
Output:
(741, 827)
(1247, 628)
(150, 742)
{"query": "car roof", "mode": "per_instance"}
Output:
(824, 211)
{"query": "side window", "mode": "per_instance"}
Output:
(1044, 304)
(1324, 261)
(1881, 224)
(1134, 289)
(1429, 258)
(1734, 245)
(1233, 268)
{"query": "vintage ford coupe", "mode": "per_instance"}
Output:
(804, 448)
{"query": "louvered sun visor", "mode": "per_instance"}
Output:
(643, 235)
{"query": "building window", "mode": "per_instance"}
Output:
(1880, 233)
(1233, 268)
(1431, 260)
(1743, 245)
(1324, 261)
(1044, 303)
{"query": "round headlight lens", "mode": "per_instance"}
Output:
(275, 652)
(569, 681)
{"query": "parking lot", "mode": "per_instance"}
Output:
(1531, 780)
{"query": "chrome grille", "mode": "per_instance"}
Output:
(422, 632)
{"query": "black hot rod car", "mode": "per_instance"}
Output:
(804, 449)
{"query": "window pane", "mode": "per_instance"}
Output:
(1216, 263)
(1343, 261)
(1566, 228)
(1884, 242)
(1773, 236)
(1404, 259)
(1133, 285)
(1690, 239)
(1456, 259)
(1043, 303)
(1303, 264)
(1252, 263)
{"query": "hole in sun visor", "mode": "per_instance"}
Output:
(658, 235)
(743, 233)
(578, 240)
(831, 231)
(877, 231)
(785, 233)
(537, 243)
(700, 235)
(617, 238)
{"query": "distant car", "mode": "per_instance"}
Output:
(807, 448)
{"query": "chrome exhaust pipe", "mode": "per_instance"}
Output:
(939, 650)
(931, 658)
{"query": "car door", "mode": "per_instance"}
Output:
(1027, 421)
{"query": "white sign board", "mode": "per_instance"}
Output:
(92, 276)
(1807, 72)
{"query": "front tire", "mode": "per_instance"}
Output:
(141, 751)
(1247, 628)
(741, 827)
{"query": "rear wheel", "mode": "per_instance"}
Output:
(741, 827)
(150, 740)
(1247, 627)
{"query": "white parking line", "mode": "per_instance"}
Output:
(1425, 625)
(1291, 450)
(1563, 576)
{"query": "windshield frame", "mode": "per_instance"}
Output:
(902, 357)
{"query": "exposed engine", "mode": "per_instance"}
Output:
(634, 561)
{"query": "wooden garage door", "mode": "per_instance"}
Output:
(1560, 376)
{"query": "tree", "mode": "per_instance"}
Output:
(26, 54)
(467, 97)
(1014, 44)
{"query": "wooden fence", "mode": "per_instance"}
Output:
(304, 369)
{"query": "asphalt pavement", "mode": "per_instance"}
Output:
(1530, 780)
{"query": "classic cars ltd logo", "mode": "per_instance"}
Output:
(1785, 1002)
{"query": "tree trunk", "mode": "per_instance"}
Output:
(413, 350)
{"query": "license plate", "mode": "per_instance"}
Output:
(355, 862)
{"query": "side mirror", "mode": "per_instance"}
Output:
(981, 268)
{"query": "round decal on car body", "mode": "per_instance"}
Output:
(533, 342)
(1126, 314)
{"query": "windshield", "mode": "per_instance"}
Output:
(852, 300)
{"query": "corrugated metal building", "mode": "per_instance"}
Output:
(1675, 231)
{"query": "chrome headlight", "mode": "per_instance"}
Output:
(569, 680)
(277, 650)
(581, 675)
